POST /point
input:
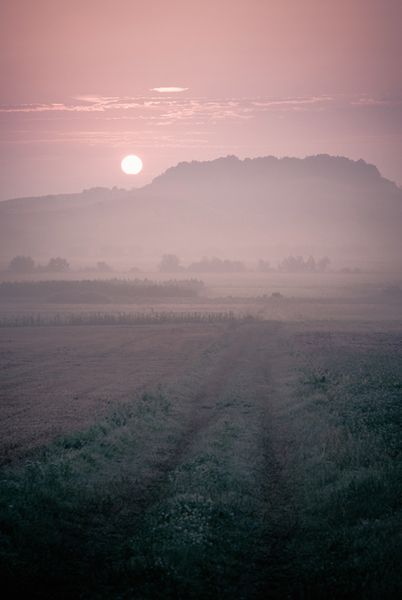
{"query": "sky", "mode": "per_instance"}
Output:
(84, 83)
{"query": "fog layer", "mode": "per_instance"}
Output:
(327, 204)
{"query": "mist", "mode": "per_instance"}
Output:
(203, 377)
(239, 210)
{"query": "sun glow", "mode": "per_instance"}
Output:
(131, 164)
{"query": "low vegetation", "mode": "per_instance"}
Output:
(26, 265)
(272, 469)
(170, 263)
(98, 291)
(297, 264)
(101, 318)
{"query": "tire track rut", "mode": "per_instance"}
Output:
(200, 417)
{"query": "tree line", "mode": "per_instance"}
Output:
(26, 264)
(170, 263)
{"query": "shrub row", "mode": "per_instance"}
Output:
(98, 290)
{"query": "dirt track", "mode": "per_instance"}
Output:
(56, 379)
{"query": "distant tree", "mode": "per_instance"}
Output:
(217, 265)
(323, 263)
(22, 264)
(310, 265)
(170, 263)
(203, 266)
(57, 265)
(290, 264)
(103, 267)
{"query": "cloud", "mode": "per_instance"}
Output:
(186, 109)
(168, 89)
(98, 99)
(372, 101)
(160, 119)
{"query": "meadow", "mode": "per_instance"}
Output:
(214, 451)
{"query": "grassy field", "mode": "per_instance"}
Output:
(55, 378)
(269, 466)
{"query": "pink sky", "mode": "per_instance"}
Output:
(81, 86)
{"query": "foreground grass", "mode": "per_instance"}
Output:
(150, 502)
(268, 471)
(347, 420)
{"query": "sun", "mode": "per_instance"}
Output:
(131, 164)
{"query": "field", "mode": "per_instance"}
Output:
(57, 378)
(226, 446)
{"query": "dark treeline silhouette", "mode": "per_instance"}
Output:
(26, 265)
(271, 167)
(292, 264)
(170, 263)
(99, 291)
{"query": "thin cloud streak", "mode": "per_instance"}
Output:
(167, 90)
(187, 107)
(107, 139)
(202, 127)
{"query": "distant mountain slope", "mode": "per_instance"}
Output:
(322, 201)
(269, 168)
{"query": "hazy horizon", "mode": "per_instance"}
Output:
(229, 208)
(85, 85)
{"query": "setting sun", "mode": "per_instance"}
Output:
(131, 164)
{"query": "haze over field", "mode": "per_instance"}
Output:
(227, 207)
(201, 299)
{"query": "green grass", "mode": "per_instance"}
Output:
(263, 472)
(346, 418)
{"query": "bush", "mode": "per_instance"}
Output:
(110, 290)
(22, 264)
(104, 267)
(55, 265)
(58, 265)
(297, 264)
(217, 265)
(170, 263)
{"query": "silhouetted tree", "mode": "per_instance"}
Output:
(323, 263)
(22, 264)
(103, 267)
(170, 263)
(57, 265)
(310, 265)
(290, 264)
(217, 265)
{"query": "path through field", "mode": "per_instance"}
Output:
(268, 467)
(57, 379)
(175, 481)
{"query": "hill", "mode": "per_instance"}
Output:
(231, 206)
